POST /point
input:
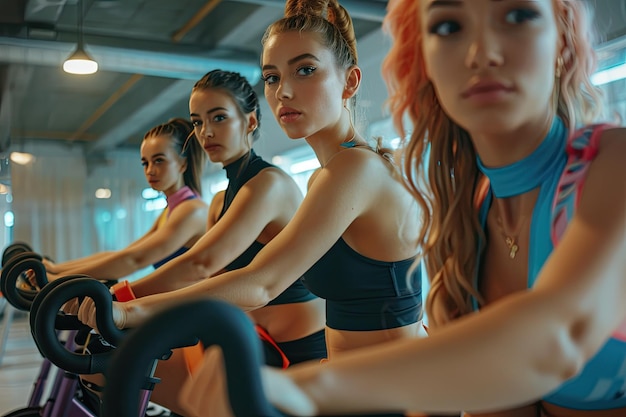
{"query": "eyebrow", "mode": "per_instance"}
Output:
(294, 60)
(213, 110)
(153, 156)
(443, 3)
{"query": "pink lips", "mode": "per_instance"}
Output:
(287, 114)
(486, 91)
(210, 148)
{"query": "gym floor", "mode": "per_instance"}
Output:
(20, 363)
(19, 360)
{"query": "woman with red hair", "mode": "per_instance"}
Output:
(527, 267)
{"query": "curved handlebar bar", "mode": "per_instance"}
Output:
(221, 323)
(18, 297)
(46, 317)
(62, 321)
(13, 249)
(17, 258)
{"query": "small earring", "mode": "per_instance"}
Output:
(559, 66)
(350, 142)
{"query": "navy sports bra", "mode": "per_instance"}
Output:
(238, 173)
(363, 293)
(184, 194)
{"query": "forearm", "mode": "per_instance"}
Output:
(113, 265)
(174, 275)
(242, 293)
(74, 264)
(480, 363)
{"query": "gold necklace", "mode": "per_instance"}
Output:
(512, 239)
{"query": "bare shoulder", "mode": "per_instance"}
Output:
(611, 153)
(312, 178)
(216, 206)
(604, 194)
(194, 204)
(218, 199)
(614, 136)
(363, 164)
(273, 181)
(192, 207)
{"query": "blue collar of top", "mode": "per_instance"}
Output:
(530, 172)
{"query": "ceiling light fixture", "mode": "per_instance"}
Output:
(609, 75)
(80, 62)
(22, 158)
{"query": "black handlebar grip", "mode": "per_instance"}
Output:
(211, 321)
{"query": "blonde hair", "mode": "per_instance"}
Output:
(447, 193)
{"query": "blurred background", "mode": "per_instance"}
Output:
(71, 182)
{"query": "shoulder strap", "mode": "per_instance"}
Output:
(582, 147)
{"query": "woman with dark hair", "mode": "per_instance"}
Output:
(259, 201)
(349, 249)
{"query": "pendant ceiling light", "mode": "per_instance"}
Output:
(80, 62)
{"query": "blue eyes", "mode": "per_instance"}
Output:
(517, 16)
(156, 161)
(217, 118)
(305, 71)
(270, 79)
(301, 71)
(445, 28)
(514, 17)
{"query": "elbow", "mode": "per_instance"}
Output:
(567, 352)
(133, 261)
(201, 266)
(258, 298)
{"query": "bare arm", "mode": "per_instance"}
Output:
(186, 221)
(269, 197)
(77, 264)
(215, 208)
(331, 205)
(516, 350)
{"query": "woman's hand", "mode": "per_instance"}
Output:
(71, 307)
(87, 314)
(204, 393)
(29, 276)
(50, 266)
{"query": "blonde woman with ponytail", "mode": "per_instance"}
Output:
(348, 248)
(524, 223)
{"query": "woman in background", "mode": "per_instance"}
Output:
(173, 162)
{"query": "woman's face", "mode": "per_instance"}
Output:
(162, 165)
(492, 62)
(303, 86)
(219, 126)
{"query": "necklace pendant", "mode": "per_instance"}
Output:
(514, 248)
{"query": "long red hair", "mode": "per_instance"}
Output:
(446, 190)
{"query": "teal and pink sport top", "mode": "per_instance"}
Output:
(602, 383)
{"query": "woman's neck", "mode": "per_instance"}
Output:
(496, 149)
(174, 189)
(327, 143)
